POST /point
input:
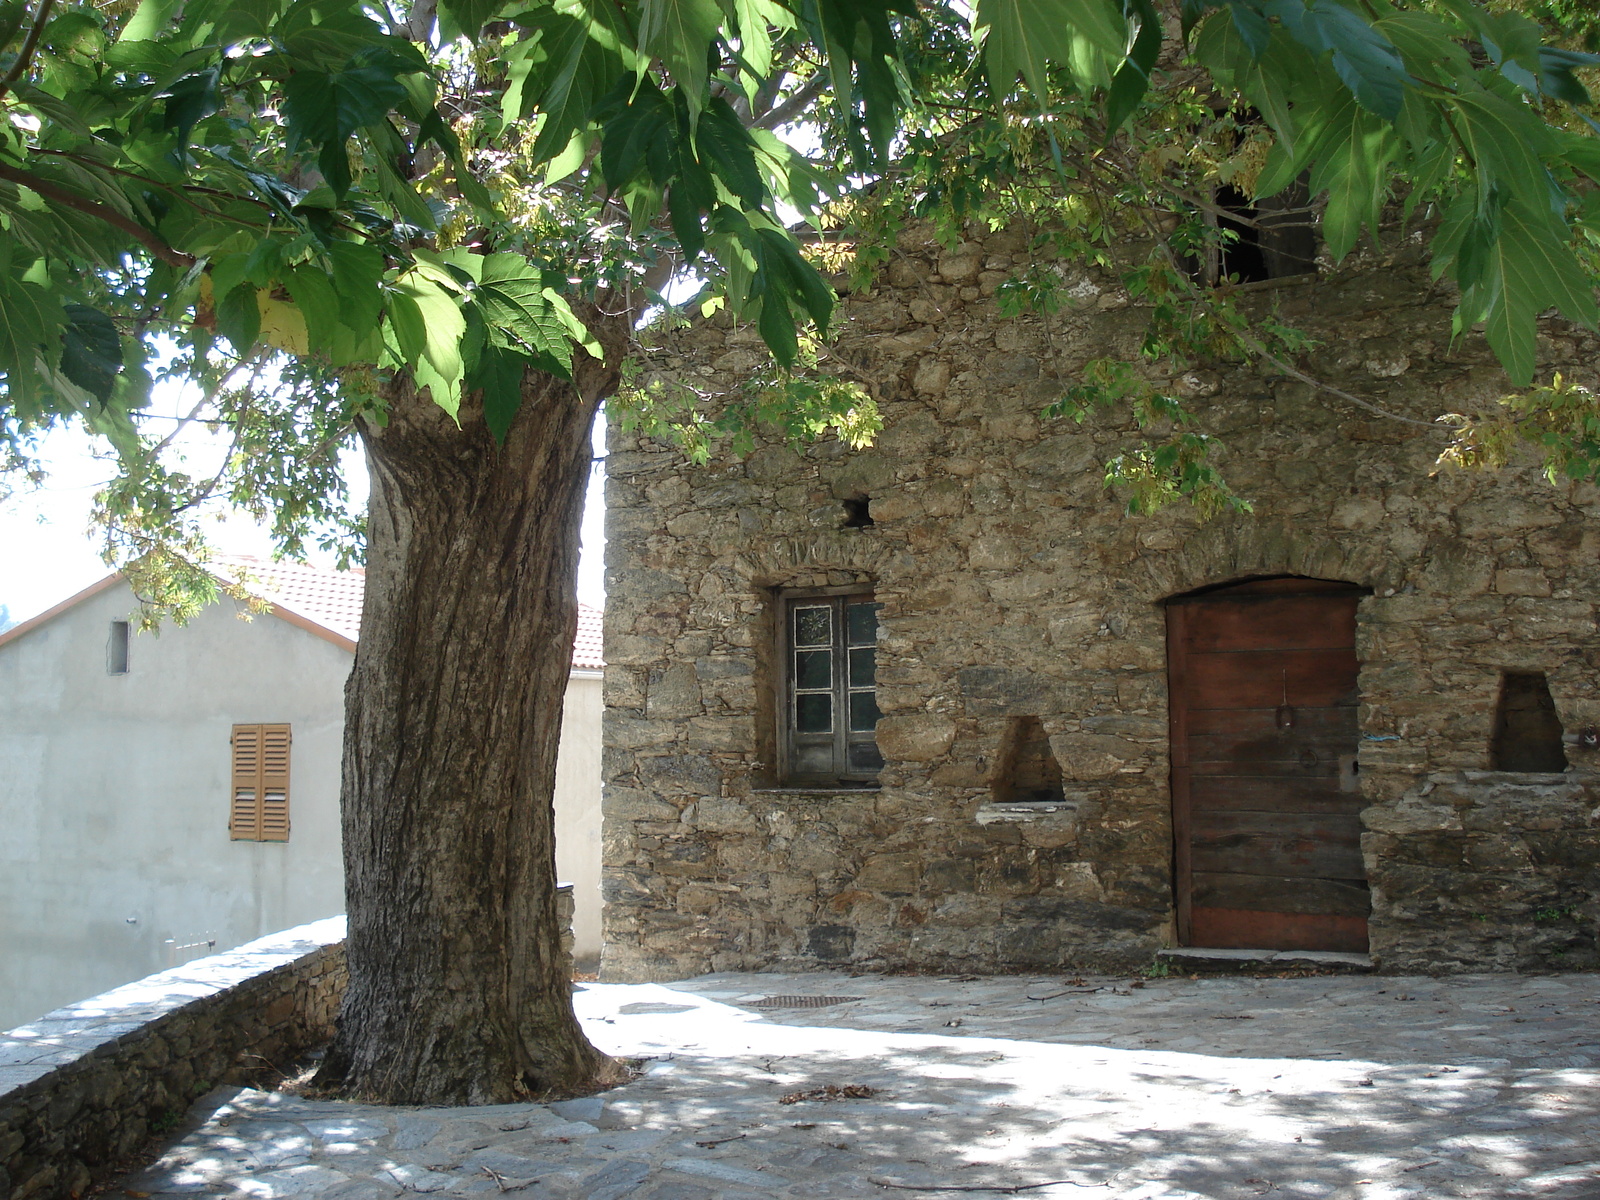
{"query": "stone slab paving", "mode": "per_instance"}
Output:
(1168, 1089)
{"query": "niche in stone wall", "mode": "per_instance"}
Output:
(1527, 730)
(1026, 772)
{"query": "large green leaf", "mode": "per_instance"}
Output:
(511, 296)
(31, 318)
(1350, 160)
(1531, 268)
(1024, 35)
(680, 33)
(1364, 58)
(91, 351)
(325, 107)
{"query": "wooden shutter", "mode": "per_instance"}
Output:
(259, 808)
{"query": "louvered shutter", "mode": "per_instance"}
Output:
(274, 783)
(259, 809)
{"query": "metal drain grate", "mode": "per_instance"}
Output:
(802, 1001)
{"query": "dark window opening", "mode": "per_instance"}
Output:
(1027, 771)
(858, 513)
(117, 649)
(1271, 238)
(1527, 730)
(830, 698)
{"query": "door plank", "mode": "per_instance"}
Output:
(1283, 893)
(1278, 931)
(1270, 793)
(1261, 679)
(1280, 623)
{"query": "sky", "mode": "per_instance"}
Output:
(47, 551)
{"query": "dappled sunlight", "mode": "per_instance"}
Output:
(984, 1085)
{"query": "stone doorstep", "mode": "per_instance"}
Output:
(1204, 959)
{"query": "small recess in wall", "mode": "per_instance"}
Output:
(1026, 771)
(1527, 730)
(857, 513)
(117, 649)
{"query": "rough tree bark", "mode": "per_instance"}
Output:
(453, 718)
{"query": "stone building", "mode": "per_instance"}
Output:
(1361, 716)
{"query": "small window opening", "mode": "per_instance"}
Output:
(1272, 238)
(1527, 730)
(858, 513)
(117, 649)
(1027, 771)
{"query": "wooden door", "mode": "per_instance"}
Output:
(1266, 807)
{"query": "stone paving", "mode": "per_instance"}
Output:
(1167, 1089)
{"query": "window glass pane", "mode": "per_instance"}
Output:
(813, 669)
(863, 712)
(864, 756)
(813, 713)
(863, 666)
(862, 620)
(813, 627)
(814, 760)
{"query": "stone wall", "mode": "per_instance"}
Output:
(1015, 586)
(85, 1086)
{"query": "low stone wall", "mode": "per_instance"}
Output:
(86, 1085)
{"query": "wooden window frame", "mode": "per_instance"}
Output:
(258, 797)
(840, 776)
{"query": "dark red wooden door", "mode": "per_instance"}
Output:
(1262, 684)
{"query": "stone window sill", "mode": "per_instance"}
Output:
(992, 814)
(815, 791)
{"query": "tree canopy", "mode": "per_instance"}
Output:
(283, 201)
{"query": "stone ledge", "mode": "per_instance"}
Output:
(83, 1087)
(1201, 959)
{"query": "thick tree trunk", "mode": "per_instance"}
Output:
(453, 718)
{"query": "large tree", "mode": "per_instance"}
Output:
(437, 230)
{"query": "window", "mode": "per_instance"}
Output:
(829, 710)
(259, 805)
(117, 649)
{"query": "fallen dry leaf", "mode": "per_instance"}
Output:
(831, 1091)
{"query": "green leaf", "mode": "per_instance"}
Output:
(357, 269)
(680, 33)
(30, 319)
(325, 108)
(239, 317)
(511, 297)
(1531, 268)
(468, 16)
(1364, 58)
(1133, 77)
(91, 351)
(1023, 35)
(150, 19)
(498, 380)
(729, 150)
(313, 292)
(1350, 160)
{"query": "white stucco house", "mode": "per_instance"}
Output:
(165, 796)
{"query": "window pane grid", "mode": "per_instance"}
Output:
(831, 683)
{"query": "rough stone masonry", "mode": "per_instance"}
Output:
(1015, 587)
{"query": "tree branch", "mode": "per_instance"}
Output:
(793, 106)
(28, 47)
(103, 212)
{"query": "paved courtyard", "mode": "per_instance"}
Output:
(1363, 1087)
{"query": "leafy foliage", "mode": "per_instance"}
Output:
(324, 183)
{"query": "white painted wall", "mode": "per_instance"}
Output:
(577, 804)
(114, 847)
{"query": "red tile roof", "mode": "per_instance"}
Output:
(586, 648)
(332, 599)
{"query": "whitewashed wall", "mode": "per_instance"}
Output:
(115, 859)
